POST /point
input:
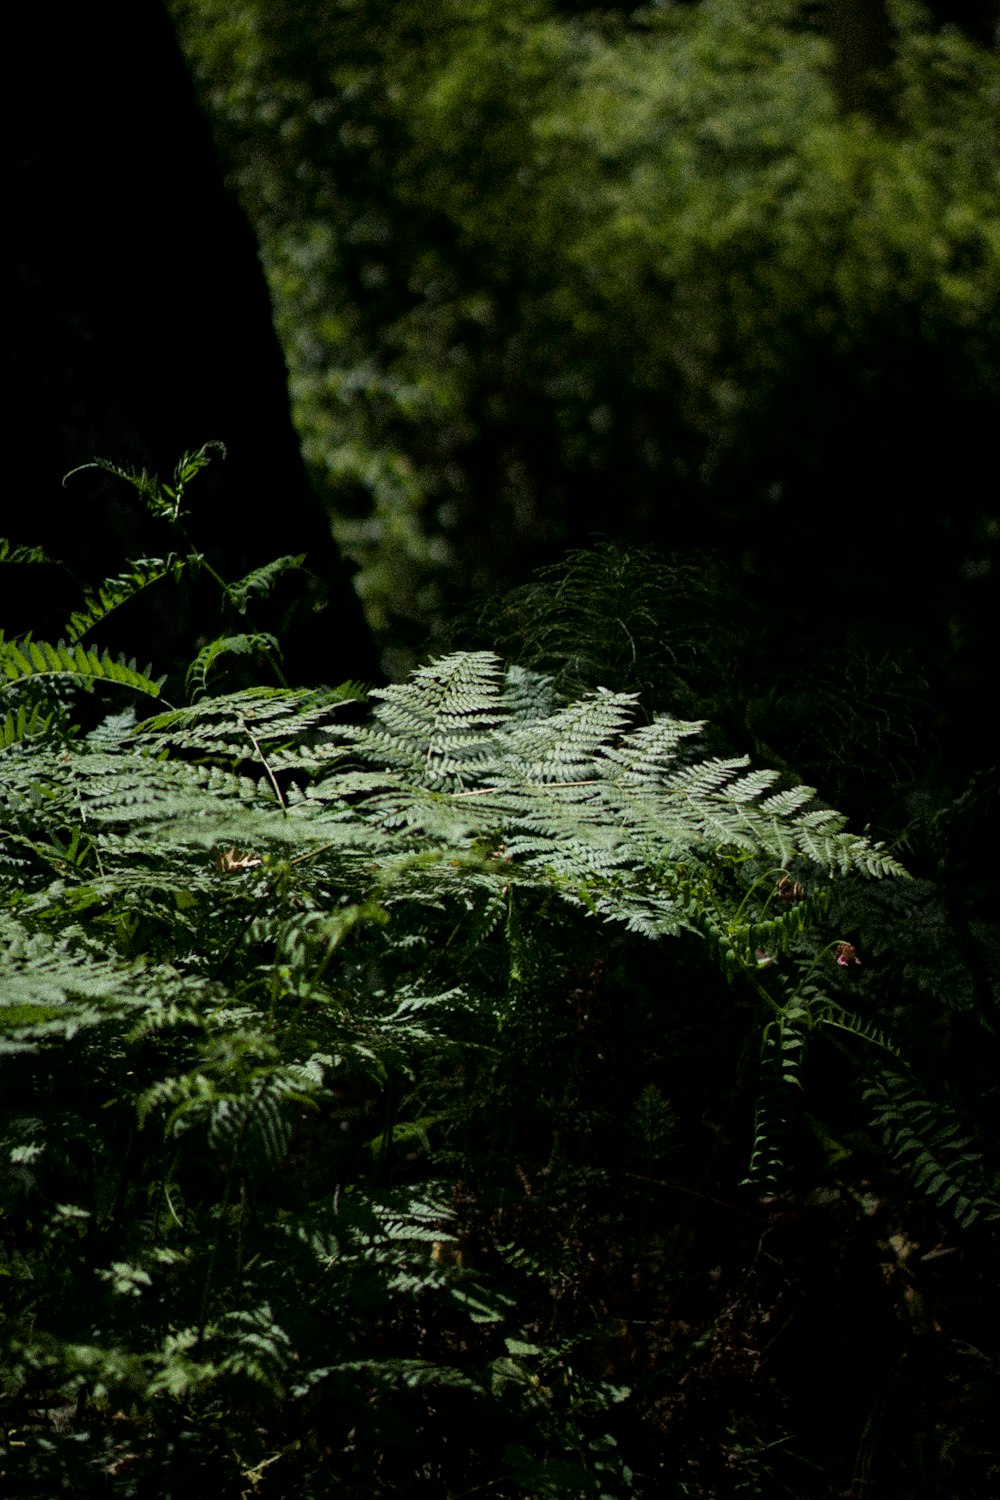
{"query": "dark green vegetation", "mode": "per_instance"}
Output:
(687, 274)
(481, 1091)
(494, 1085)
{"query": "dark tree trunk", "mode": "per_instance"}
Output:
(143, 328)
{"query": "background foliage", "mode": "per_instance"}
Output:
(676, 273)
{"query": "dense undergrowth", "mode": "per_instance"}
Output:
(473, 1087)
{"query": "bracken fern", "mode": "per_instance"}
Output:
(300, 1014)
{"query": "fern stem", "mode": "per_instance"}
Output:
(484, 791)
(263, 760)
(300, 859)
(769, 875)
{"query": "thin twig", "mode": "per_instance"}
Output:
(484, 791)
(267, 768)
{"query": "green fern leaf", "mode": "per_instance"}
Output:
(259, 583)
(196, 680)
(30, 659)
(114, 592)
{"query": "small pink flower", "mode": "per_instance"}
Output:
(846, 955)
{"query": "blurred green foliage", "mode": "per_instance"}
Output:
(539, 272)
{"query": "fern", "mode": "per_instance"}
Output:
(258, 583)
(161, 499)
(209, 656)
(27, 659)
(580, 790)
(324, 1043)
(623, 617)
(146, 573)
(933, 1147)
(782, 1048)
(11, 554)
(29, 722)
(440, 725)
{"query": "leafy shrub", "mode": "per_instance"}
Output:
(355, 1058)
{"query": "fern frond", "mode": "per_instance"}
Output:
(249, 1342)
(528, 697)
(387, 1374)
(31, 659)
(932, 1146)
(28, 723)
(217, 727)
(259, 583)
(440, 725)
(562, 747)
(828, 1012)
(114, 592)
(11, 554)
(621, 617)
(160, 499)
(260, 642)
(51, 988)
(312, 957)
(782, 1046)
(776, 933)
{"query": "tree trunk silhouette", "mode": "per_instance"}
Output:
(143, 328)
